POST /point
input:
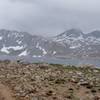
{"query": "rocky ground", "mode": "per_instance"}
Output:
(20, 81)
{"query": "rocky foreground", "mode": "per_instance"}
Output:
(50, 82)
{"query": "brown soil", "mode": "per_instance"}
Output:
(21, 81)
(5, 93)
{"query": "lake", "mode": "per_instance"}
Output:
(67, 61)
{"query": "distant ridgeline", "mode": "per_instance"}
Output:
(69, 44)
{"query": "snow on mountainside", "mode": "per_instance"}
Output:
(23, 44)
(72, 38)
(82, 45)
(71, 43)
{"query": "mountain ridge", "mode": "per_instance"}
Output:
(71, 43)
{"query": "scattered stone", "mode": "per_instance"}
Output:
(93, 91)
(49, 93)
(59, 81)
(96, 98)
(50, 82)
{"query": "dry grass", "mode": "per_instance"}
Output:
(50, 82)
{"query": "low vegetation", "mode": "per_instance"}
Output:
(50, 81)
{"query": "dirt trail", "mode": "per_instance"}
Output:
(5, 93)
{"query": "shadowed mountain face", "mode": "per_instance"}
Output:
(71, 43)
(72, 33)
(23, 44)
(80, 44)
(95, 34)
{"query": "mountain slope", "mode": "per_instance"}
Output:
(23, 44)
(81, 45)
(71, 43)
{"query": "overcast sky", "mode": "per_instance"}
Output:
(49, 17)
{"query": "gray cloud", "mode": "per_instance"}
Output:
(49, 16)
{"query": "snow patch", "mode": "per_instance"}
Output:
(74, 47)
(19, 42)
(1, 38)
(15, 47)
(37, 45)
(5, 49)
(44, 52)
(8, 35)
(37, 56)
(40, 48)
(24, 53)
(54, 52)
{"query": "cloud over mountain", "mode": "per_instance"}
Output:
(49, 16)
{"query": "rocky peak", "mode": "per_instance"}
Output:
(95, 34)
(72, 33)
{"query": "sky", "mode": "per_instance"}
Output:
(49, 17)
